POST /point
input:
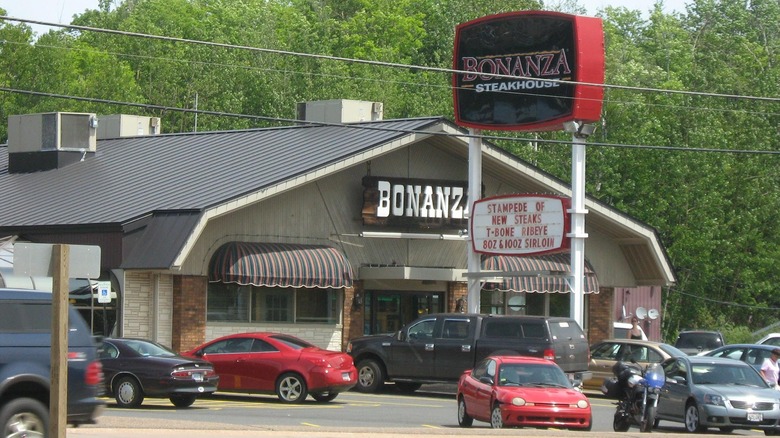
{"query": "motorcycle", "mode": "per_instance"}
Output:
(637, 391)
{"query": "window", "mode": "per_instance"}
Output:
(236, 303)
(422, 330)
(456, 329)
(606, 351)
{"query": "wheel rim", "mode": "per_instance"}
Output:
(366, 377)
(24, 425)
(495, 418)
(126, 393)
(692, 419)
(461, 410)
(290, 388)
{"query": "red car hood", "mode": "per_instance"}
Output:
(545, 395)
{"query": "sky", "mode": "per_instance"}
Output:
(62, 11)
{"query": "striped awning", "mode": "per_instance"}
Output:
(543, 273)
(280, 265)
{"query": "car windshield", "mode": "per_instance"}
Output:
(294, 343)
(671, 351)
(532, 375)
(145, 348)
(708, 341)
(726, 374)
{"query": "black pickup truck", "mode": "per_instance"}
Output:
(439, 347)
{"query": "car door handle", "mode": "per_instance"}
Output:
(465, 348)
(428, 347)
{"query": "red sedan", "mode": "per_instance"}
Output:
(518, 391)
(275, 363)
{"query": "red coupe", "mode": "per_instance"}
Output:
(519, 391)
(277, 363)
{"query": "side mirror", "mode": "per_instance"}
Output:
(401, 335)
(486, 380)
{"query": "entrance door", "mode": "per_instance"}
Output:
(388, 311)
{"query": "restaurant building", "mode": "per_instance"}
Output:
(343, 225)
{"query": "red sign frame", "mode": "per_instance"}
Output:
(544, 50)
(539, 224)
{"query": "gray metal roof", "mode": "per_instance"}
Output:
(128, 178)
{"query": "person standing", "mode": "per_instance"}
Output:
(770, 370)
(636, 331)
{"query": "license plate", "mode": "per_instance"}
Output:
(755, 416)
(345, 377)
(198, 377)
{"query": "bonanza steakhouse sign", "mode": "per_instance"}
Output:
(513, 71)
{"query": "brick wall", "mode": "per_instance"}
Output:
(137, 305)
(457, 291)
(353, 314)
(189, 311)
(600, 323)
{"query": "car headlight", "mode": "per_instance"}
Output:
(518, 401)
(714, 399)
(582, 404)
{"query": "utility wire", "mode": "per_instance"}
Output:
(607, 100)
(728, 303)
(377, 128)
(377, 63)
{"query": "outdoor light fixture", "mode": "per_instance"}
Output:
(579, 130)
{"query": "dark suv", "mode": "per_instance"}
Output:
(693, 342)
(25, 358)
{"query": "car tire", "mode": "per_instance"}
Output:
(291, 388)
(692, 421)
(24, 417)
(183, 401)
(496, 420)
(370, 376)
(407, 387)
(464, 419)
(128, 393)
(324, 397)
(647, 422)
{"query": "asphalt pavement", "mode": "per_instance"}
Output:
(123, 427)
(114, 427)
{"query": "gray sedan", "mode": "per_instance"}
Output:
(703, 392)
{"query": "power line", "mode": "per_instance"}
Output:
(728, 303)
(607, 100)
(403, 131)
(377, 63)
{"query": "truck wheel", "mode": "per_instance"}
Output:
(24, 417)
(370, 376)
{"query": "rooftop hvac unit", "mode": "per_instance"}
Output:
(127, 125)
(340, 111)
(52, 132)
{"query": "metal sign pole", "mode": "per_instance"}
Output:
(578, 212)
(475, 192)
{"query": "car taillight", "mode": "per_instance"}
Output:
(320, 362)
(187, 374)
(94, 373)
(549, 354)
